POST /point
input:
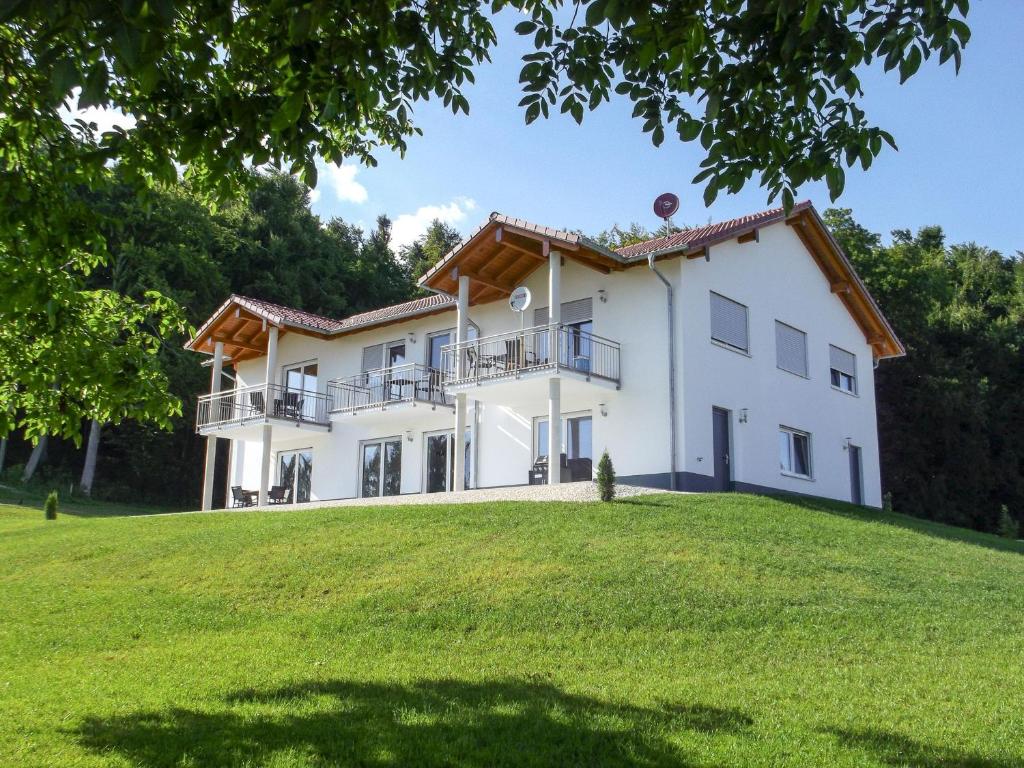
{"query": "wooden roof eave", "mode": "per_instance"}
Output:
(845, 283)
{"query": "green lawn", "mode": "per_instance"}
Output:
(672, 631)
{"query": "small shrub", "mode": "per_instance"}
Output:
(1008, 527)
(50, 507)
(606, 478)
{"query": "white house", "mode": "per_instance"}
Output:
(739, 355)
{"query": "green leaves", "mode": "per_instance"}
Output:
(778, 79)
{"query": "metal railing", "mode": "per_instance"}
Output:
(509, 354)
(411, 382)
(259, 401)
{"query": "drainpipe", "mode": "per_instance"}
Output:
(671, 368)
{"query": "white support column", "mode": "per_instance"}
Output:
(554, 287)
(554, 304)
(268, 433)
(462, 323)
(461, 335)
(554, 430)
(554, 384)
(268, 402)
(459, 459)
(211, 440)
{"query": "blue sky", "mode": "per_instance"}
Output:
(960, 162)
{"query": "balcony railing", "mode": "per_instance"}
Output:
(511, 354)
(258, 402)
(382, 387)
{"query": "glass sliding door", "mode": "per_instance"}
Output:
(298, 381)
(440, 461)
(380, 468)
(577, 443)
(295, 474)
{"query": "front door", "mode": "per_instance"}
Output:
(720, 426)
(856, 476)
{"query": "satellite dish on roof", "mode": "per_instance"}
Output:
(666, 205)
(519, 299)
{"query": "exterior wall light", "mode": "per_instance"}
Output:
(602, 295)
(602, 409)
(744, 416)
(412, 337)
(408, 435)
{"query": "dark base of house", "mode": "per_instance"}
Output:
(696, 483)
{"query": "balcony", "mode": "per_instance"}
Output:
(535, 353)
(237, 413)
(385, 389)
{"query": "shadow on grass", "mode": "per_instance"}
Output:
(897, 750)
(427, 723)
(916, 524)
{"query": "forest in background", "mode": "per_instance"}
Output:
(950, 413)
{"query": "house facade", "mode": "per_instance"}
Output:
(739, 355)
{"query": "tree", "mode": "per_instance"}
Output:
(216, 87)
(605, 478)
(950, 413)
(429, 248)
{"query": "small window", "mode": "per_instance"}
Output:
(790, 349)
(729, 322)
(794, 452)
(843, 369)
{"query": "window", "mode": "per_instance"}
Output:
(299, 380)
(577, 318)
(434, 343)
(790, 349)
(729, 323)
(577, 443)
(843, 369)
(794, 452)
(294, 474)
(439, 466)
(381, 468)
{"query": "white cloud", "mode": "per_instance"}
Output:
(407, 227)
(314, 195)
(341, 179)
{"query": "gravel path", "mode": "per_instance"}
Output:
(582, 491)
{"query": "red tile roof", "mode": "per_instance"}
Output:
(297, 318)
(695, 237)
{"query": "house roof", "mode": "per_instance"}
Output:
(504, 250)
(242, 322)
(697, 237)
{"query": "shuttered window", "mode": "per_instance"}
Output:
(373, 357)
(579, 311)
(790, 349)
(729, 322)
(843, 366)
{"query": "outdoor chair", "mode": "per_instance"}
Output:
(279, 494)
(240, 498)
(257, 403)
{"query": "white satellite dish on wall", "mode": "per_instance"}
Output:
(519, 299)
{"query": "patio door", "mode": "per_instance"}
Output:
(440, 461)
(299, 381)
(295, 473)
(380, 467)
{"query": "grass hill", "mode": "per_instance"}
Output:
(719, 630)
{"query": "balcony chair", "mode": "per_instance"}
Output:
(257, 403)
